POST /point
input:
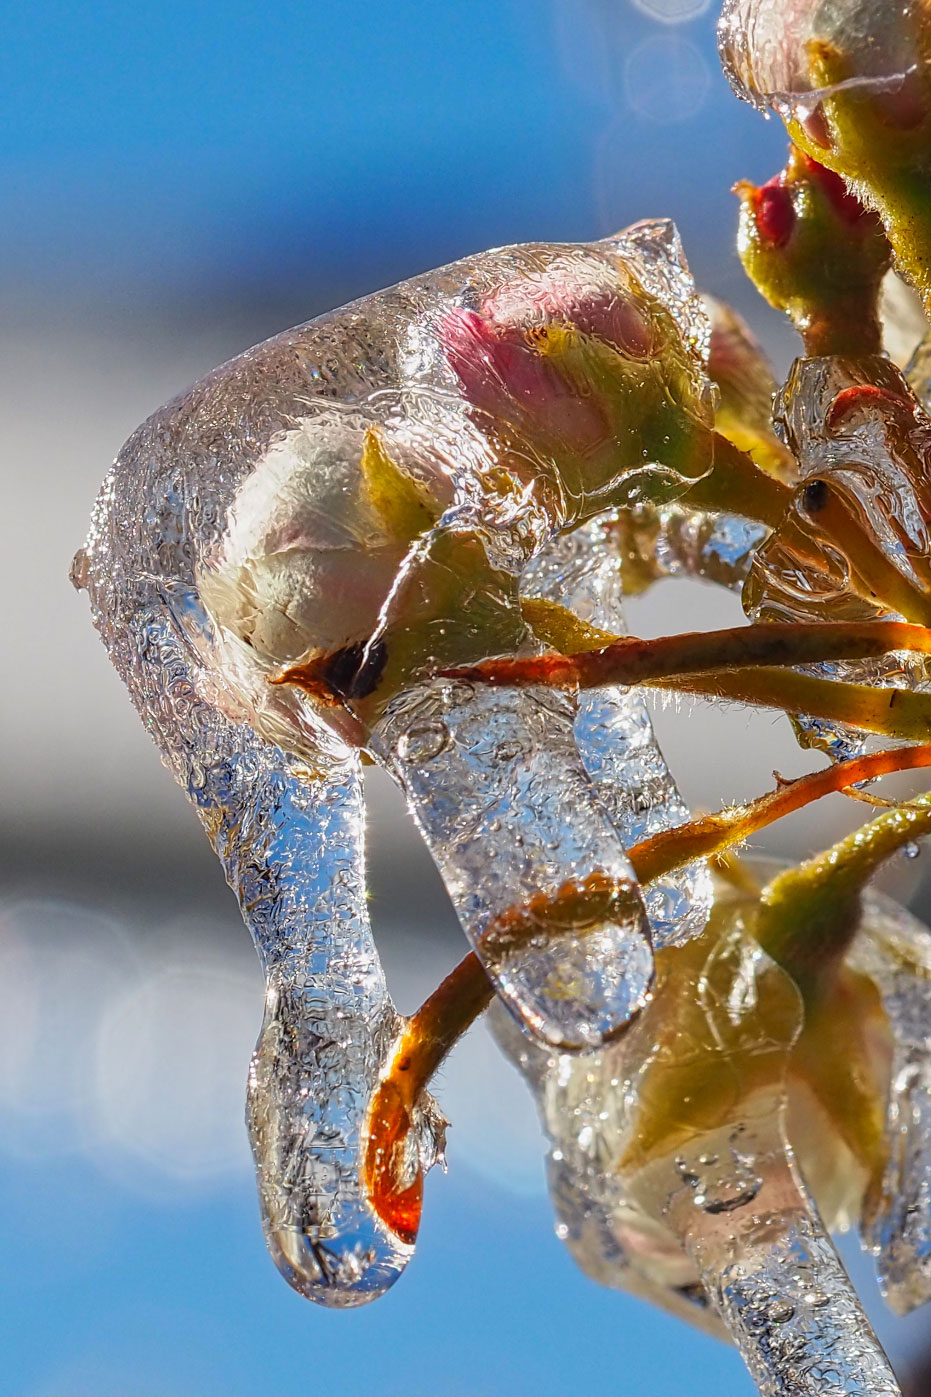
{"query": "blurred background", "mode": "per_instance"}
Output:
(179, 181)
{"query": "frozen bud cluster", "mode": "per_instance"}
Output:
(702, 1161)
(404, 532)
(852, 80)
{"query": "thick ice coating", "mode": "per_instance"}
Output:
(861, 439)
(772, 51)
(896, 954)
(686, 1159)
(355, 501)
(612, 725)
(386, 473)
(290, 841)
(328, 1032)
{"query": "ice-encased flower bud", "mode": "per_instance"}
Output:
(772, 52)
(852, 80)
(577, 362)
(317, 534)
(328, 497)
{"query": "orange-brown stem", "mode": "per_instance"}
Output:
(393, 1185)
(879, 578)
(711, 834)
(629, 660)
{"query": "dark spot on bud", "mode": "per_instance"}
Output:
(354, 671)
(815, 496)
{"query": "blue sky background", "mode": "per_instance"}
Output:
(178, 180)
(224, 149)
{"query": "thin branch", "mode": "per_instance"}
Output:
(629, 660)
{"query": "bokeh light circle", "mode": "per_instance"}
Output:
(672, 11)
(666, 79)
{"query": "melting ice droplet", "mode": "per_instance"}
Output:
(540, 880)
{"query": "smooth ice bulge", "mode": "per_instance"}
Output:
(290, 841)
(539, 878)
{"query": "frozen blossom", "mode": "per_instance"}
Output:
(775, 54)
(360, 498)
(324, 550)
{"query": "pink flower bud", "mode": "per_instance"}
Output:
(775, 212)
(504, 359)
(565, 296)
(504, 374)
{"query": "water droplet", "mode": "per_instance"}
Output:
(423, 742)
(80, 570)
(911, 850)
(727, 1194)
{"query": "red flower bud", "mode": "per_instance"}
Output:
(775, 215)
(842, 199)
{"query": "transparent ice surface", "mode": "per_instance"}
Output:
(581, 571)
(677, 541)
(712, 547)
(290, 506)
(855, 424)
(291, 844)
(672, 1175)
(782, 1291)
(498, 789)
(895, 951)
(767, 56)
